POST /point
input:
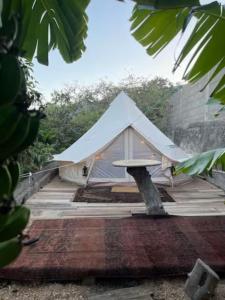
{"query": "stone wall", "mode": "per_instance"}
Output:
(191, 122)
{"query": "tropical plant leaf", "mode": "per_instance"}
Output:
(203, 163)
(9, 250)
(162, 4)
(15, 224)
(156, 27)
(1, 7)
(49, 24)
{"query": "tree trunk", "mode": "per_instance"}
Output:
(148, 190)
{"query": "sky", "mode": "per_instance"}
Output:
(112, 53)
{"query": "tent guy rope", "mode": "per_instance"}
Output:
(30, 174)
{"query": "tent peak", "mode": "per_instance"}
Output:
(123, 98)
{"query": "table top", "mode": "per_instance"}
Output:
(135, 163)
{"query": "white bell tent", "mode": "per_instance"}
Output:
(122, 132)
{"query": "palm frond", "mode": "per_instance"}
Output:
(203, 163)
(1, 7)
(164, 4)
(155, 28)
(49, 24)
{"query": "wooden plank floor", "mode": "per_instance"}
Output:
(54, 201)
(131, 293)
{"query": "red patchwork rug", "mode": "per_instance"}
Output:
(130, 247)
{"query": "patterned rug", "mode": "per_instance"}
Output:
(106, 194)
(130, 247)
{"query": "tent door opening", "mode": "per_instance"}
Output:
(128, 145)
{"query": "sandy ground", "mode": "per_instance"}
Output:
(161, 290)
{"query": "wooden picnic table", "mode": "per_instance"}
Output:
(137, 168)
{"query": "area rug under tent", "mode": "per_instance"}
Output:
(115, 194)
(131, 247)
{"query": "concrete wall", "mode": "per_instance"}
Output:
(191, 123)
(29, 186)
(218, 178)
(200, 136)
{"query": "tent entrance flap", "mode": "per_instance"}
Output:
(128, 145)
(102, 169)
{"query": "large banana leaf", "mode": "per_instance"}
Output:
(1, 6)
(164, 4)
(49, 24)
(203, 163)
(156, 23)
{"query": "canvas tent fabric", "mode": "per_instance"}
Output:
(122, 132)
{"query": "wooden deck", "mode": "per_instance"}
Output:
(54, 201)
(132, 293)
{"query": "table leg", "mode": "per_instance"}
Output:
(148, 190)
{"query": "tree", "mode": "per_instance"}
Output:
(155, 23)
(27, 28)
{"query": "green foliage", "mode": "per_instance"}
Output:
(9, 250)
(10, 71)
(5, 181)
(34, 97)
(35, 156)
(47, 25)
(203, 163)
(14, 169)
(22, 136)
(155, 29)
(164, 4)
(15, 223)
(1, 7)
(156, 25)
